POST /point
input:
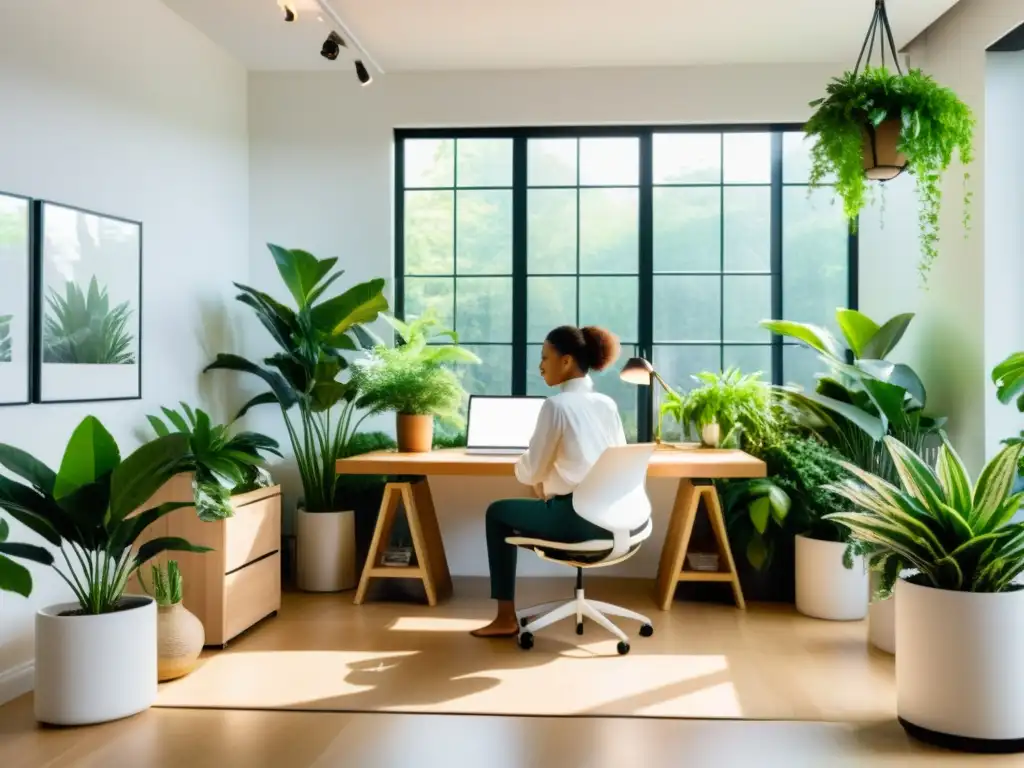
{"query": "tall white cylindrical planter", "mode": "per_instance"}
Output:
(960, 667)
(91, 669)
(326, 543)
(882, 620)
(825, 589)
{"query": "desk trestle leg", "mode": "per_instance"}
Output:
(672, 568)
(431, 564)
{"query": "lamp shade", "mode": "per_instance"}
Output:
(637, 371)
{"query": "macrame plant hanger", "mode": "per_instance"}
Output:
(881, 160)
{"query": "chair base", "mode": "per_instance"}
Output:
(538, 617)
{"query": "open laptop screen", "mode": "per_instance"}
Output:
(502, 422)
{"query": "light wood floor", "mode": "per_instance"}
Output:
(791, 663)
(177, 738)
(704, 661)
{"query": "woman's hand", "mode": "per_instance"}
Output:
(538, 491)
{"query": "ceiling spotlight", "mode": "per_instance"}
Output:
(289, 12)
(332, 46)
(363, 73)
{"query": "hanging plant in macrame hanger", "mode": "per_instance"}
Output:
(874, 124)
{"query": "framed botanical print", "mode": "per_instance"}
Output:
(16, 293)
(88, 305)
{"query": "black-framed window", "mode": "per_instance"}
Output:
(679, 239)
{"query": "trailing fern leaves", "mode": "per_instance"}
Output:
(933, 123)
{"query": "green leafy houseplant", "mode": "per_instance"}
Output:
(222, 464)
(954, 536)
(86, 509)
(313, 339)
(1008, 377)
(933, 122)
(414, 377)
(5, 338)
(737, 403)
(855, 405)
(83, 328)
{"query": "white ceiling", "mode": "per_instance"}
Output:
(409, 35)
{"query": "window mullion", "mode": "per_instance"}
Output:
(519, 260)
(776, 255)
(645, 302)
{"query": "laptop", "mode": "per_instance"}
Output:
(501, 424)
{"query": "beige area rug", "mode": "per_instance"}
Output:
(704, 661)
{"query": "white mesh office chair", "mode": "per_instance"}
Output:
(611, 496)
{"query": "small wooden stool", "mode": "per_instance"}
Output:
(431, 564)
(672, 568)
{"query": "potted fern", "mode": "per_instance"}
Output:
(96, 657)
(959, 609)
(723, 407)
(179, 634)
(414, 380)
(873, 123)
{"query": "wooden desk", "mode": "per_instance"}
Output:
(686, 463)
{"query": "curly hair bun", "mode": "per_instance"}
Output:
(602, 346)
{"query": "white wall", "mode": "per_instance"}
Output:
(1004, 230)
(321, 172)
(122, 107)
(964, 307)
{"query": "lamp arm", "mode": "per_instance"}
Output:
(661, 381)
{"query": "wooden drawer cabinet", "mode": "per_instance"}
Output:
(238, 583)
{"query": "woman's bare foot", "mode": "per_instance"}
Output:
(505, 623)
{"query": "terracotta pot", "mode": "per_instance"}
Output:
(881, 160)
(179, 641)
(415, 433)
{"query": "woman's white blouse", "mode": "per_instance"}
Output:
(573, 430)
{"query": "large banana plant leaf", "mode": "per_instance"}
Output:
(91, 509)
(1008, 377)
(313, 338)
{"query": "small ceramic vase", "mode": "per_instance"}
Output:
(180, 639)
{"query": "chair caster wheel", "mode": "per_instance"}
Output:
(579, 628)
(646, 630)
(526, 641)
(622, 648)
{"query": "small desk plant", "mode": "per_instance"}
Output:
(96, 657)
(415, 379)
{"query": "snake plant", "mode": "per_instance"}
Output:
(955, 535)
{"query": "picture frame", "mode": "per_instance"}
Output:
(17, 299)
(88, 305)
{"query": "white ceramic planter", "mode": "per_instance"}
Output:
(326, 543)
(91, 669)
(882, 620)
(960, 667)
(825, 589)
(710, 434)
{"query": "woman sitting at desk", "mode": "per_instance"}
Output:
(574, 428)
